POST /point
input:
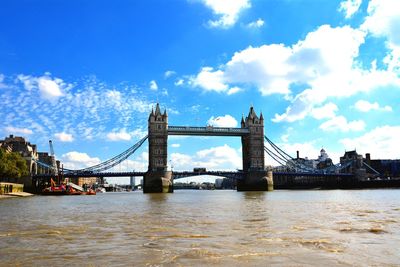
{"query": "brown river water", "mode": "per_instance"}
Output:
(199, 228)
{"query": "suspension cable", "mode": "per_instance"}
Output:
(113, 161)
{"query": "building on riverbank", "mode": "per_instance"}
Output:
(27, 150)
(323, 161)
(386, 167)
(7, 188)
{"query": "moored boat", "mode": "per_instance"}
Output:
(66, 189)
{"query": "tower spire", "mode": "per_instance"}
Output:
(158, 112)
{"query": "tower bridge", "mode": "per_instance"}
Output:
(254, 175)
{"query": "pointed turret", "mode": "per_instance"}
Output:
(157, 115)
(151, 113)
(252, 118)
(243, 123)
(252, 114)
(261, 117)
(158, 112)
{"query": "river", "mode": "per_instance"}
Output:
(198, 228)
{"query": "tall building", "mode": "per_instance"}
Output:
(158, 140)
(253, 144)
(27, 150)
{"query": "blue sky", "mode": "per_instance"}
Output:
(86, 74)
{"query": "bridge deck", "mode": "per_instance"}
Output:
(183, 174)
(207, 131)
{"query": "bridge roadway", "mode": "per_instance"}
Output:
(238, 175)
(312, 174)
(176, 175)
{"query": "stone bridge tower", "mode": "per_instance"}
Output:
(158, 179)
(256, 177)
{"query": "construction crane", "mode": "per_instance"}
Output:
(51, 148)
(53, 157)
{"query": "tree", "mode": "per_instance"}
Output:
(12, 166)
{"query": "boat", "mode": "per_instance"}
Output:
(90, 192)
(100, 190)
(70, 189)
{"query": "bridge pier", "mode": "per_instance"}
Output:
(260, 180)
(158, 182)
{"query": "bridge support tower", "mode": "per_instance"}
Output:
(158, 179)
(256, 176)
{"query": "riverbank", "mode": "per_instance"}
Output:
(304, 184)
(15, 194)
(204, 228)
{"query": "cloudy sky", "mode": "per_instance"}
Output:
(325, 74)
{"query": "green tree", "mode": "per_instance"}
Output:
(12, 166)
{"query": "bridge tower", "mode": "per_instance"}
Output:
(157, 178)
(256, 177)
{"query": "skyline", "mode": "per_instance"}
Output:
(324, 74)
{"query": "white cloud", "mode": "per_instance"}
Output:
(325, 62)
(129, 165)
(114, 96)
(265, 66)
(227, 10)
(379, 142)
(90, 109)
(175, 145)
(122, 135)
(301, 106)
(384, 20)
(256, 24)
(306, 149)
(16, 130)
(64, 137)
(326, 111)
(138, 133)
(77, 160)
(28, 81)
(340, 123)
(49, 88)
(153, 85)
(210, 80)
(233, 90)
(350, 7)
(195, 108)
(222, 121)
(365, 106)
(285, 138)
(2, 84)
(216, 158)
(179, 82)
(169, 73)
